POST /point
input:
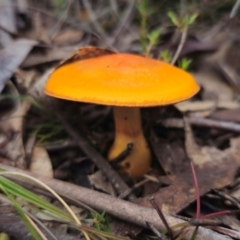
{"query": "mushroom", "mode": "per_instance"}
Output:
(126, 82)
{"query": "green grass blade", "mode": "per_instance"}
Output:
(19, 191)
(21, 213)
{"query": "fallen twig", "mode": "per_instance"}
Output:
(235, 127)
(162, 217)
(157, 233)
(202, 122)
(135, 186)
(124, 210)
(235, 9)
(98, 159)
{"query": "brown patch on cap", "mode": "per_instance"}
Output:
(85, 53)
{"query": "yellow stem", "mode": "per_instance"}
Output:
(129, 130)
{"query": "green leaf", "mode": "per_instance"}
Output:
(166, 56)
(184, 63)
(193, 18)
(154, 35)
(188, 20)
(173, 18)
(142, 6)
(185, 21)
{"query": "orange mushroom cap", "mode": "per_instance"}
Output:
(121, 79)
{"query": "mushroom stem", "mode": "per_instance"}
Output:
(129, 130)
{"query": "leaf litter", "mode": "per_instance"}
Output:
(214, 151)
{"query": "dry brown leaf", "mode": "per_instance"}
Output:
(68, 37)
(231, 74)
(11, 123)
(227, 62)
(101, 183)
(12, 56)
(232, 115)
(37, 90)
(215, 169)
(50, 55)
(7, 21)
(26, 79)
(213, 86)
(41, 163)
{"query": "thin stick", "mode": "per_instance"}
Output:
(43, 237)
(159, 211)
(235, 9)
(202, 122)
(100, 162)
(135, 186)
(35, 219)
(235, 127)
(181, 44)
(198, 211)
(79, 25)
(228, 197)
(157, 233)
(93, 19)
(64, 15)
(215, 214)
(123, 21)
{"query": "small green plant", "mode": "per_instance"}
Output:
(166, 56)
(59, 4)
(153, 39)
(147, 39)
(182, 22)
(101, 221)
(24, 200)
(184, 63)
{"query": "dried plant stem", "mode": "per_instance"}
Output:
(235, 127)
(159, 211)
(235, 9)
(156, 232)
(43, 237)
(135, 186)
(36, 220)
(181, 44)
(198, 210)
(202, 122)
